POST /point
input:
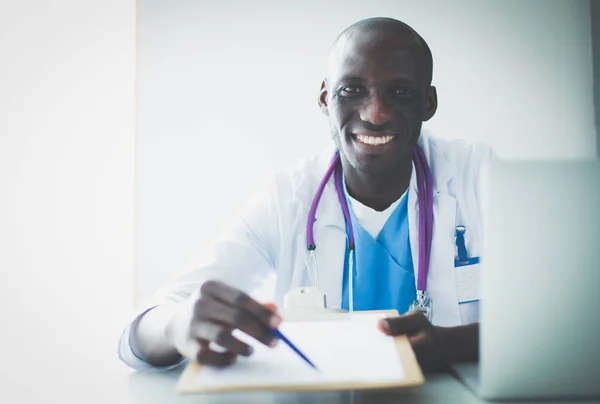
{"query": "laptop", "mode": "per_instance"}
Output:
(540, 309)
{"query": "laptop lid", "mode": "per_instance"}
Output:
(540, 318)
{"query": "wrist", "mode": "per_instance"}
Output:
(177, 330)
(459, 344)
(153, 341)
(134, 340)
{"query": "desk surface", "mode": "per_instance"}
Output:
(150, 388)
(159, 388)
(105, 380)
(80, 370)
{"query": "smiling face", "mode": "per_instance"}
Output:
(377, 96)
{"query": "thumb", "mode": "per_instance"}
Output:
(409, 323)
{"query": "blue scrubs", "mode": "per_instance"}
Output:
(383, 268)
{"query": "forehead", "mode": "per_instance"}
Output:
(374, 56)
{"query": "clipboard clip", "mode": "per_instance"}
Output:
(308, 303)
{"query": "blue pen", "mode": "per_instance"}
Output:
(282, 337)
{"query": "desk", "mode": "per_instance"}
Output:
(107, 381)
(157, 388)
(88, 371)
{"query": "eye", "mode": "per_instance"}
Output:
(403, 92)
(350, 91)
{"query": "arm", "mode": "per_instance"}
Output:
(241, 257)
(436, 347)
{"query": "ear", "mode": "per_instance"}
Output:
(323, 93)
(432, 102)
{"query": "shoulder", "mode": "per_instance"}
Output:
(304, 175)
(458, 152)
(456, 159)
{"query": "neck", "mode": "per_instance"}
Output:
(378, 191)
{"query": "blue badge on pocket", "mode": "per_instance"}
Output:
(467, 271)
(468, 261)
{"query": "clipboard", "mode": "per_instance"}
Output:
(188, 381)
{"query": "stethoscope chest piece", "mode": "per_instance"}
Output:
(422, 304)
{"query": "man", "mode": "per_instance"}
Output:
(377, 94)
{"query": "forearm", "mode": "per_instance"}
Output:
(460, 344)
(149, 339)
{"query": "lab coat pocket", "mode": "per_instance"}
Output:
(468, 288)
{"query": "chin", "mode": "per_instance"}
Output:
(372, 165)
(376, 158)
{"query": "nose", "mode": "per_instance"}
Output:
(376, 111)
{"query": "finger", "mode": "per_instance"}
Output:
(209, 357)
(222, 336)
(271, 306)
(407, 324)
(209, 310)
(235, 297)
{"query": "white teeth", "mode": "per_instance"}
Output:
(374, 140)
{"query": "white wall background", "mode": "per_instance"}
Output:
(227, 93)
(67, 92)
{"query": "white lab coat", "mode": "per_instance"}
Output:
(269, 234)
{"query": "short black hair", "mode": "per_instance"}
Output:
(398, 28)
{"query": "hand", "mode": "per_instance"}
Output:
(435, 347)
(218, 311)
(424, 338)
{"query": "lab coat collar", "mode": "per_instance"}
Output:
(441, 169)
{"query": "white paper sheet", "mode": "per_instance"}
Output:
(344, 351)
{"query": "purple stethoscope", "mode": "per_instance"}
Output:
(424, 185)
